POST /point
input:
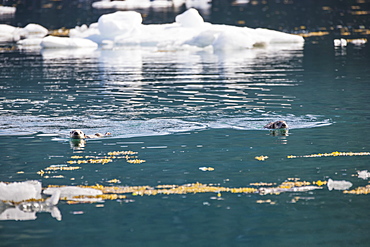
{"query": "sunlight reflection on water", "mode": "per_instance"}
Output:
(141, 92)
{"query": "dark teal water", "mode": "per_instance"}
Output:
(181, 111)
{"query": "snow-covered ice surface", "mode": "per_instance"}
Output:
(20, 191)
(125, 29)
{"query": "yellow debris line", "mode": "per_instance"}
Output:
(28, 200)
(336, 153)
(136, 161)
(121, 152)
(205, 169)
(114, 181)
(91, 161)
(106, 159)
(359, 191)
(289, 184)
(103, 197)
(261, 158)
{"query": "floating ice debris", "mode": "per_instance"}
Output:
(363, 174)
(190, 18)
(358, 41)
(8, 33)
(34, 31)
(261, 158)
(29, 42)
(114, 25)
(20, 191)
(64, 42)
(7, 10)
(334, 154)
(338, 185)
(203, 168)
(340, 42)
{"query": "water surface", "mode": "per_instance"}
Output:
(180, 111)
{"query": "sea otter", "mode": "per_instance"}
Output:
(79, 134)
(277, 125)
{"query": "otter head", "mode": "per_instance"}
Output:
(77, 134)
(281, 125)
(277, 125)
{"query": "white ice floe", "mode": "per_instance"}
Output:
(27, 210)
(20, 191)
(29, 42)
(358, 41)
(7, 10)
(340, 42)
(16, 201)
(34, 31)
(277, 190)
(125, 28)
(64, 42)
(9, 33)
(13, 34)
(72, 192)
(363, 174)
(338, 185)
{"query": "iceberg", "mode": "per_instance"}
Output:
(125, 29)
(338, 185)
(189, 31)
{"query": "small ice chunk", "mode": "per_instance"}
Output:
(338, 185)
(363, 174)
(8, 33)
(20, 191)
(7, 10)
(358, 41)
(119, 23)
(190, 18)
(340, 42)
(34, 31)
